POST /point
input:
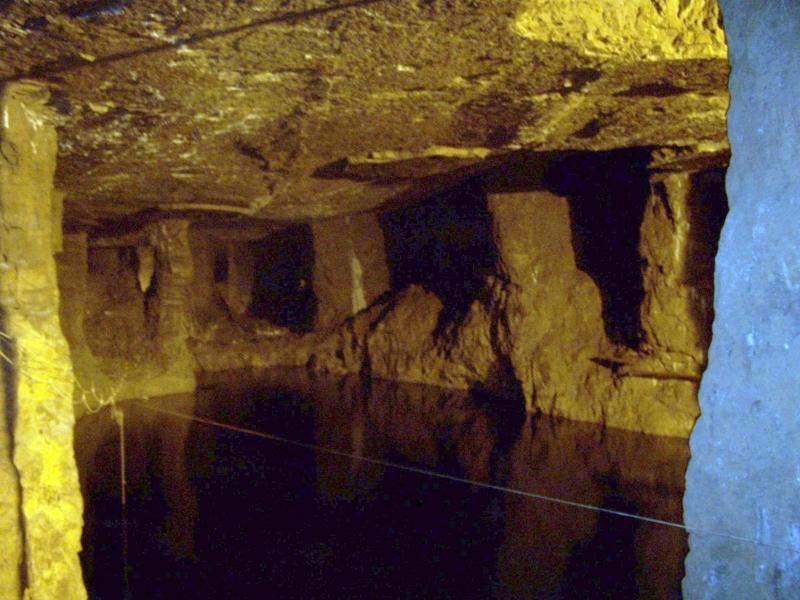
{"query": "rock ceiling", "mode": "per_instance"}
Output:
(291, 109)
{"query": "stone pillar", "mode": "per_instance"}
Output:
(350, 269)
(171, 311)
(743, 479)
(72, 268)
(550, 312)
(174, 272)
(203, 275)
(678, 239)
(37, 394)
(241, 277)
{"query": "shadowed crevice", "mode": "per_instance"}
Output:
(607, 194)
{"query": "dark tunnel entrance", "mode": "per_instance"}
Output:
(445, 245)
(282, 291)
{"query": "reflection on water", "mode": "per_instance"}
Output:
(215, 513)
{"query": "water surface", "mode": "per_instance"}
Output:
(220, 513)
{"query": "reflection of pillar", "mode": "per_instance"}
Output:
(38, 387)
(179, 494)
(540, 536)
(358, 438)
(678, 240)
(241, 277)
(350, 269)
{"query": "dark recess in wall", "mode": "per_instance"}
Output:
(445, 245)
(282, 292)
(709, 204)
(220, 266)
(607, 192)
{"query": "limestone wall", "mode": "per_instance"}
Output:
(537, 330)
(547, 321)
(744, 475)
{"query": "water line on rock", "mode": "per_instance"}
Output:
(463, 480)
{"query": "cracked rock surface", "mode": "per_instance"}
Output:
(298, 109)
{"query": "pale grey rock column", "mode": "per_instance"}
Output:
(744, 476)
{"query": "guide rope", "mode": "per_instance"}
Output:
(462, 480)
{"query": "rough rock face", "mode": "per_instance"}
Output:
(640, 29)
(743, 476)
(541, 328)
(404, 343)
(552, 325)
(680, 228)
(37, 391)
(125, 341)
(300, 109)
(350, 269)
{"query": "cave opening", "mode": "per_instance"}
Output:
(282, 292)
(445, 245)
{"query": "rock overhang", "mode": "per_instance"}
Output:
(297, 110)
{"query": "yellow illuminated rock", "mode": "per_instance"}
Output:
(634, 29)
(38, 377)
(288, 113)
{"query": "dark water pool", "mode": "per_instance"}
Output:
(217, 513)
